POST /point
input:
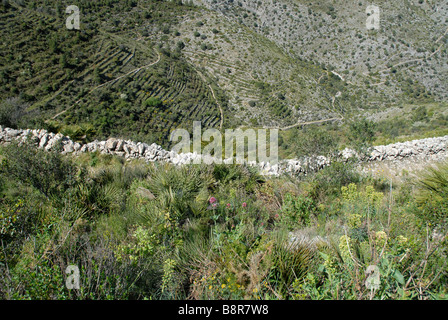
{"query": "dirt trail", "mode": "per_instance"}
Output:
(306, 123)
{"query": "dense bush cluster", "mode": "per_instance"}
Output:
(155, 231)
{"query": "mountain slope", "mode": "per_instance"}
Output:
(139, 69)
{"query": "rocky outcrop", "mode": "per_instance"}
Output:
(430, 147)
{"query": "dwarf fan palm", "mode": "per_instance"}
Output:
(433, 194)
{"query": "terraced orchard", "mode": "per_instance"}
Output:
(156, 98)
(104, 74)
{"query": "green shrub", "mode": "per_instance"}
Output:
(48, 172)
(153, 102)
(361, 134)
(420, 114)
(313, 141)
(290, 263)
(432, 197)
(42, 282)
(13, 112)
(297, 211)
(328, 181)
(180, 193)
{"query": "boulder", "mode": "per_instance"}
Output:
(43, 141)
(111, 144)
(145, 193)
(69, 147)
(119, 146)
(141, 149)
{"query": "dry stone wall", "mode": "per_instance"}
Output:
(431, 147)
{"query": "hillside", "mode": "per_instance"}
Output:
(139, 69)
(407, 52)
(105, 75)
(96, 205)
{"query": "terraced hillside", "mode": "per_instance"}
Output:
(139, 69)
(188, 61)
(105, 74)
(265, 86)
(405, 58)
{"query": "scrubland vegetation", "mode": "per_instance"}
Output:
(154, 231)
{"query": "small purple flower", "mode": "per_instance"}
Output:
(212, 200)
(214, 205)
(228, 206)
(244, 204)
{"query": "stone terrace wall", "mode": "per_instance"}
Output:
(430, 147)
